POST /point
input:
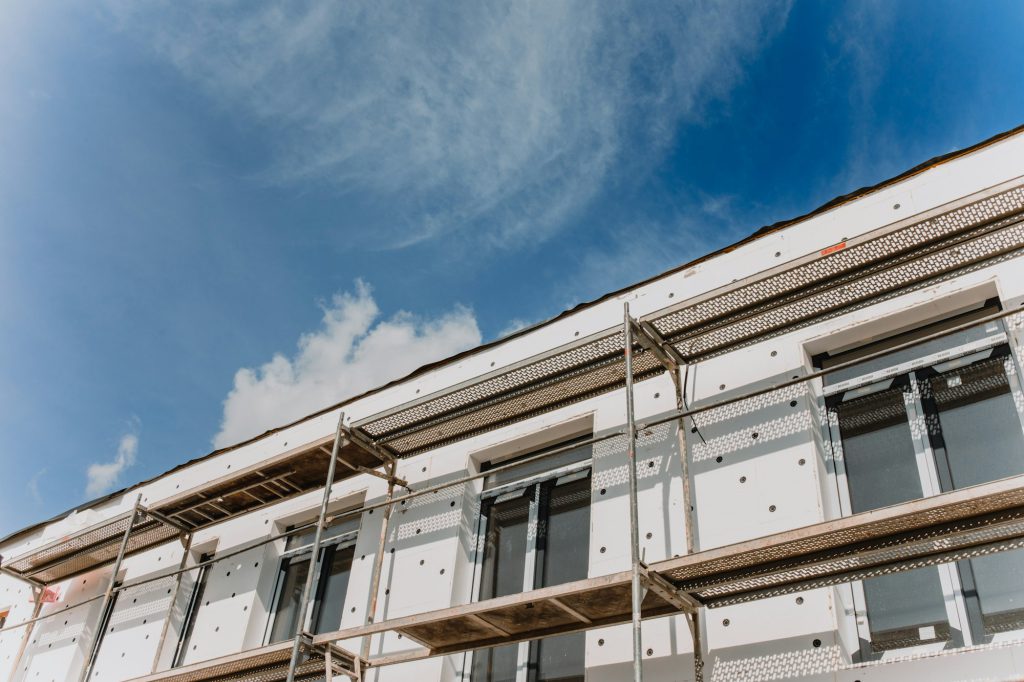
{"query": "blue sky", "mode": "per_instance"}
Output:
(216, 217)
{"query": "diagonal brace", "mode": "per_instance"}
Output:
(659, 585)
(647, 336)
(357, 437)
(367, 470)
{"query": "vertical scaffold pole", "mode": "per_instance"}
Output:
(97, 638)
(634, 532)
(314, 560)
(187, 546)
(378, 560)
(37, 593)
(693, 619)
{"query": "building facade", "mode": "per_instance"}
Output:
(828, 472)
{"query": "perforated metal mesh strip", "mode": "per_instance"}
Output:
(845, 261)
(890, 263)
(966, 545)
(95, 546)
(499, 384)
(895, 276)
(269, 665)
(311, 671)
(564, 390)
(960, 520)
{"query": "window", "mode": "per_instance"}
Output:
(337, 547)
(192, 611)
(535, 532)
(911, 425)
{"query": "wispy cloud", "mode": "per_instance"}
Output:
(102, 477)
(862, 34)
(504, 118)
(646, 247)
(861, 37)
(352, 351)
(33, 485)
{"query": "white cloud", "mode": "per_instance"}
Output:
(503, 117)
(353, 351)
(103, 477)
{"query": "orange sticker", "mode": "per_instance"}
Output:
(832, 249)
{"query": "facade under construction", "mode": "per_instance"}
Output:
(800, 457)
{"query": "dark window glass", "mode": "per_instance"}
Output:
(564, 545)
(560, 549)
(920, 350)
(976, 434)
(504, 566)
(330, 602)
(332, 530)
(192, 612)
(538, 466)
(996, 601)
(564, 541)
(878, 449)
(327, 601)
(974, 429)
(505, 547)
(286, 611)
(906, 609)
(975, 423)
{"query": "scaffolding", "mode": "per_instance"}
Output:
(988, 518)
(286, 476)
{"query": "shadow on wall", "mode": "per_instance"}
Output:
(779, 659)
(59, 642)
(657, 469)
(782, 659)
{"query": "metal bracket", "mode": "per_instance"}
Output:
(647, 336)
(660, 586)
(357, 437)
(166, 520)
(367, 470)
(31, 581)
(332, 653)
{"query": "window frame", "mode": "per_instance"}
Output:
(541, 483)
(962, 603)
(328, 547)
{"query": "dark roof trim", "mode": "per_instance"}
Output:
(757, 234)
